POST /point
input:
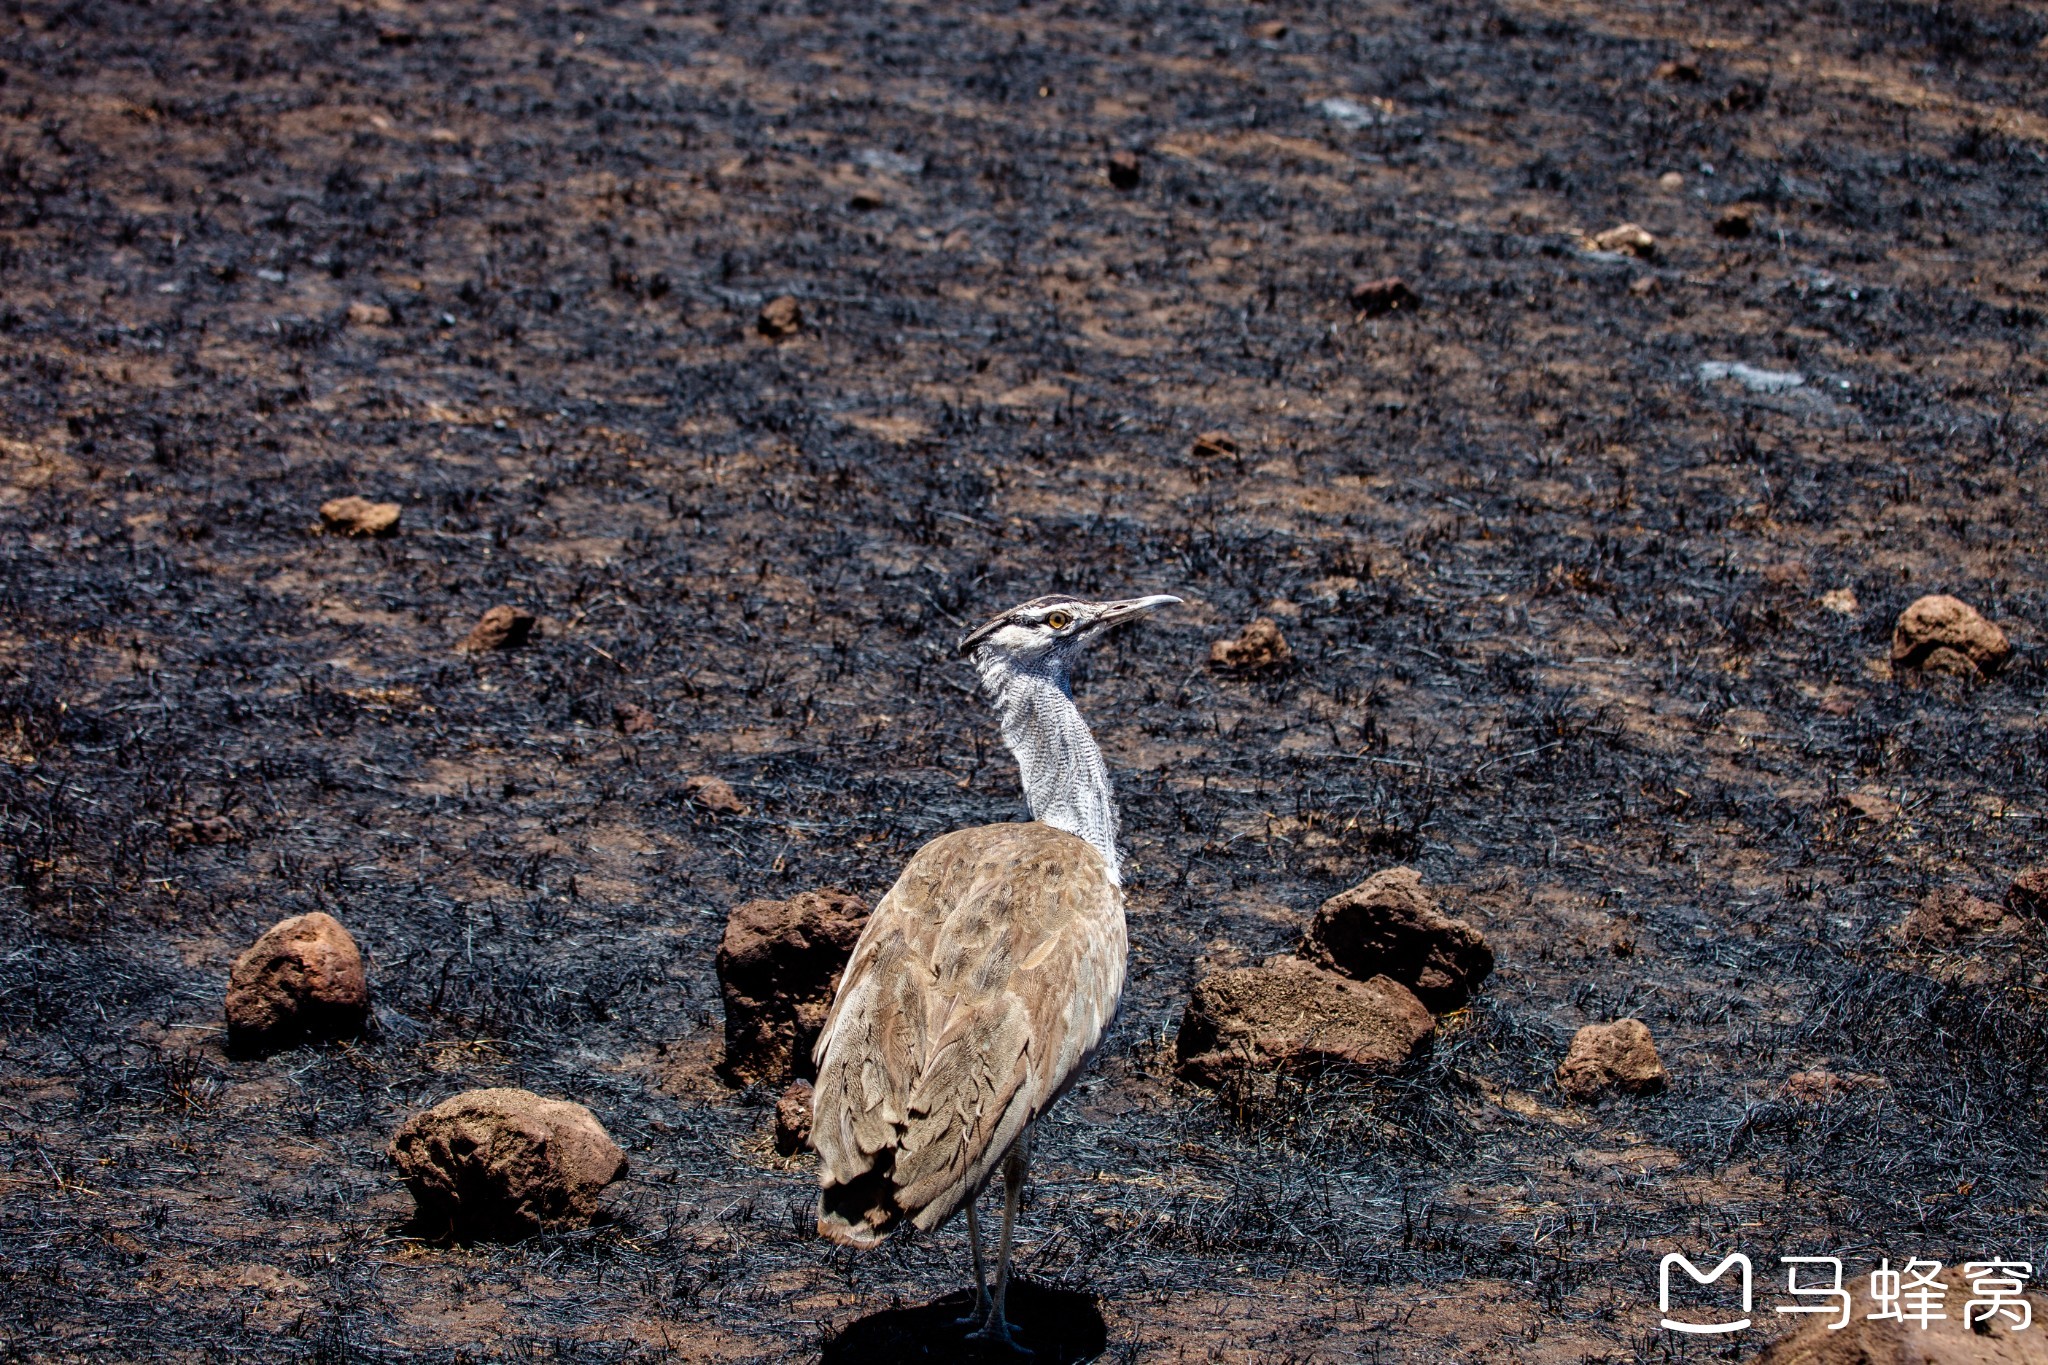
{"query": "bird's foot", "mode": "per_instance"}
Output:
(998, 1331)
(975, 1315)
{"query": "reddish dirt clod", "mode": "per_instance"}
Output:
(1259, 646)
(502, 627)
(303, 978)
(1293, 1016)
(793, 1119)
(630, 718)
(780, 317)
(354, 516)
(1951, 915)
(1619, 1057)
(778, 964)
(1390, 925)
(2028, 894)
(1943, 634)
(713, 795)
(1627, 238)
(506, 1163)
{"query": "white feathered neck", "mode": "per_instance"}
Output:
(1066, 783)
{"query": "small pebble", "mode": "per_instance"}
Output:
(502, 627)
(1259, 646)
(713, 794)
(781, 317)
(354, 516)
(1626, 238)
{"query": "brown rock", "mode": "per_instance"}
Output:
(1125, 170)
(505, 1163)
(1389, 925)
(369, 315)
(778, 965)
(1291, 1015)
(1947, 1340)
(1259, 645)
(1627, 238)
(1736, 222)
(2028, 894)
(1213, 445)
(793, 1119)
(1939, 634)
(302, 979)
(353, 516)
(780, 317)
(501, 627)
(1376, 298)
(1617, 1056)
(1951, 915)
(1950, 662)
(632, 719)
(713, 794)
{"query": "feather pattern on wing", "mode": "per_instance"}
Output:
(978, 991)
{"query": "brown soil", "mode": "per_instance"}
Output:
(1553, 603)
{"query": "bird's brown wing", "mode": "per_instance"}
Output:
(977, 992)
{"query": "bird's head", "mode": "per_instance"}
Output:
(1046, 634)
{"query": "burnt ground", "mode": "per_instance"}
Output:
(1554, 602)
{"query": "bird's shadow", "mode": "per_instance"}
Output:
(1058, 1327)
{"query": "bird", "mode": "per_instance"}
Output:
(982, 984)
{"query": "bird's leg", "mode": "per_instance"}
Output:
(998, 1328)
(979, 1312)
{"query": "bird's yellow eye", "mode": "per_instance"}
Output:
(1059, 620)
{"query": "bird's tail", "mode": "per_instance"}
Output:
(862, 1211)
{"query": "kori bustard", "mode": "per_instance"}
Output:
(984, 980)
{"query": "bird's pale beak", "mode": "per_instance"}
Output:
(979, 633)
(1116, 613)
